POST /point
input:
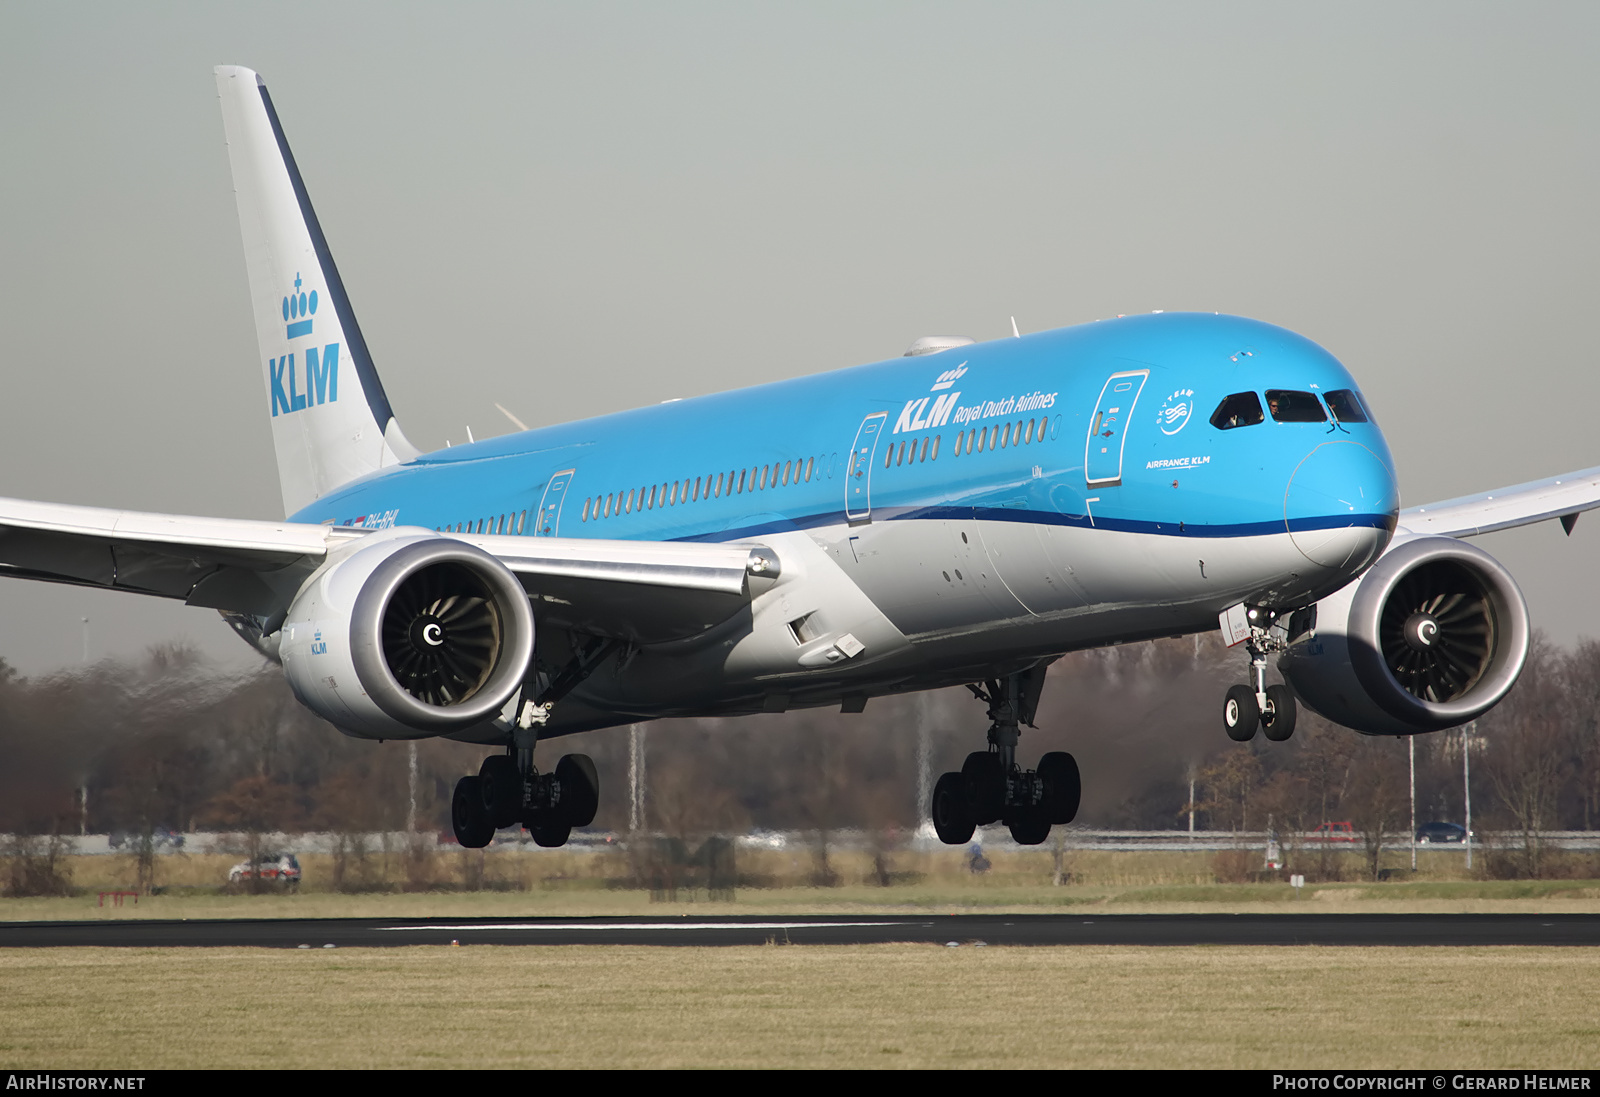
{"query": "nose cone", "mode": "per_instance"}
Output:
(1341, 505)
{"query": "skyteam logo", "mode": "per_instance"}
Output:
(321, 371)
(1174, 414)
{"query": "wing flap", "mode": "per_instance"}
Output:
(1507, 508)
(640, 591)
(645, 592)
(682, 564)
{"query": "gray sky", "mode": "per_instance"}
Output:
(573, 209)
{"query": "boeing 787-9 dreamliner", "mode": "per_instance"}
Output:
(960, 515)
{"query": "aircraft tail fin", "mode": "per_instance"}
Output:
(331, 420)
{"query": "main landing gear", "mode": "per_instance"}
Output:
(509, 790)
(991, 787)
(1258, 705)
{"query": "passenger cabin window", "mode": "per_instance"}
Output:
(1288, 406)
(1242, 409)
(1346, 406)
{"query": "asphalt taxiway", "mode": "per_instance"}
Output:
(957, 929)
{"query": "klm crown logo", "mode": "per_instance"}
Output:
(298, 305)
(317, 382)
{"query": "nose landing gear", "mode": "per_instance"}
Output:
(1258, 705)
(992, 787)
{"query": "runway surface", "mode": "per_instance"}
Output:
(957, 929)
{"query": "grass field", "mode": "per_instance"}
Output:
(565, 883)
(777, 1006)
(884, 1006)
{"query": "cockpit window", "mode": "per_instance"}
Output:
(1288, 406)
(1346, 406)
(1242, 409)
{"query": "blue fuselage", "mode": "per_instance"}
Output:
(1088, 485)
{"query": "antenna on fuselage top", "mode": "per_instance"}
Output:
(1015, 334)
(470, 438)
(519, 423)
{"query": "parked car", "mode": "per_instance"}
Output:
(281, 868)
(1441, 832)
(1332, 832)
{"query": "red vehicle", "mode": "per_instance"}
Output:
(1333, 832)
(282, 868)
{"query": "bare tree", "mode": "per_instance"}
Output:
(1530, 753)
(1377, 797)
(1230, 787)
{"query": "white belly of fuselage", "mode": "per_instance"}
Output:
(892, 605)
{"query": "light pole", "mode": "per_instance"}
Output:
(1191, 797)
(1411, 746)
(635, 778)
(411, 812)
(1466, 784)
(924, 760)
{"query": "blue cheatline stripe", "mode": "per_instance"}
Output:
(1045, 518)
(377, 399)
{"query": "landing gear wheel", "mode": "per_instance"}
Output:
(472, 825)
(580, 790)
(1277, 723)
(501, 787)
(951, 822)
(1241, 714)
(551, 834)
(1063, 788)
(1030, 827)
(985, 785)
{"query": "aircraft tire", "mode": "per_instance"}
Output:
(1282, 704)
(985, 786)
(471, 823)
(501, 789)
(580, 789)
(550, 835)
(1030, 828)
(949, 811)
(1063, 787)
(1240, 714)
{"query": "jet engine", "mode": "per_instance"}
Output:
(409, 636)
(1433, 635)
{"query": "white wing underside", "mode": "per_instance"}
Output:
(638, 590)
(1506, 508)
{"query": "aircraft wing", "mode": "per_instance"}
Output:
(640, 590)
(223, 563)
(1563, 497)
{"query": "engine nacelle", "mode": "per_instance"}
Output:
(1433, 635)
(408, 636)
